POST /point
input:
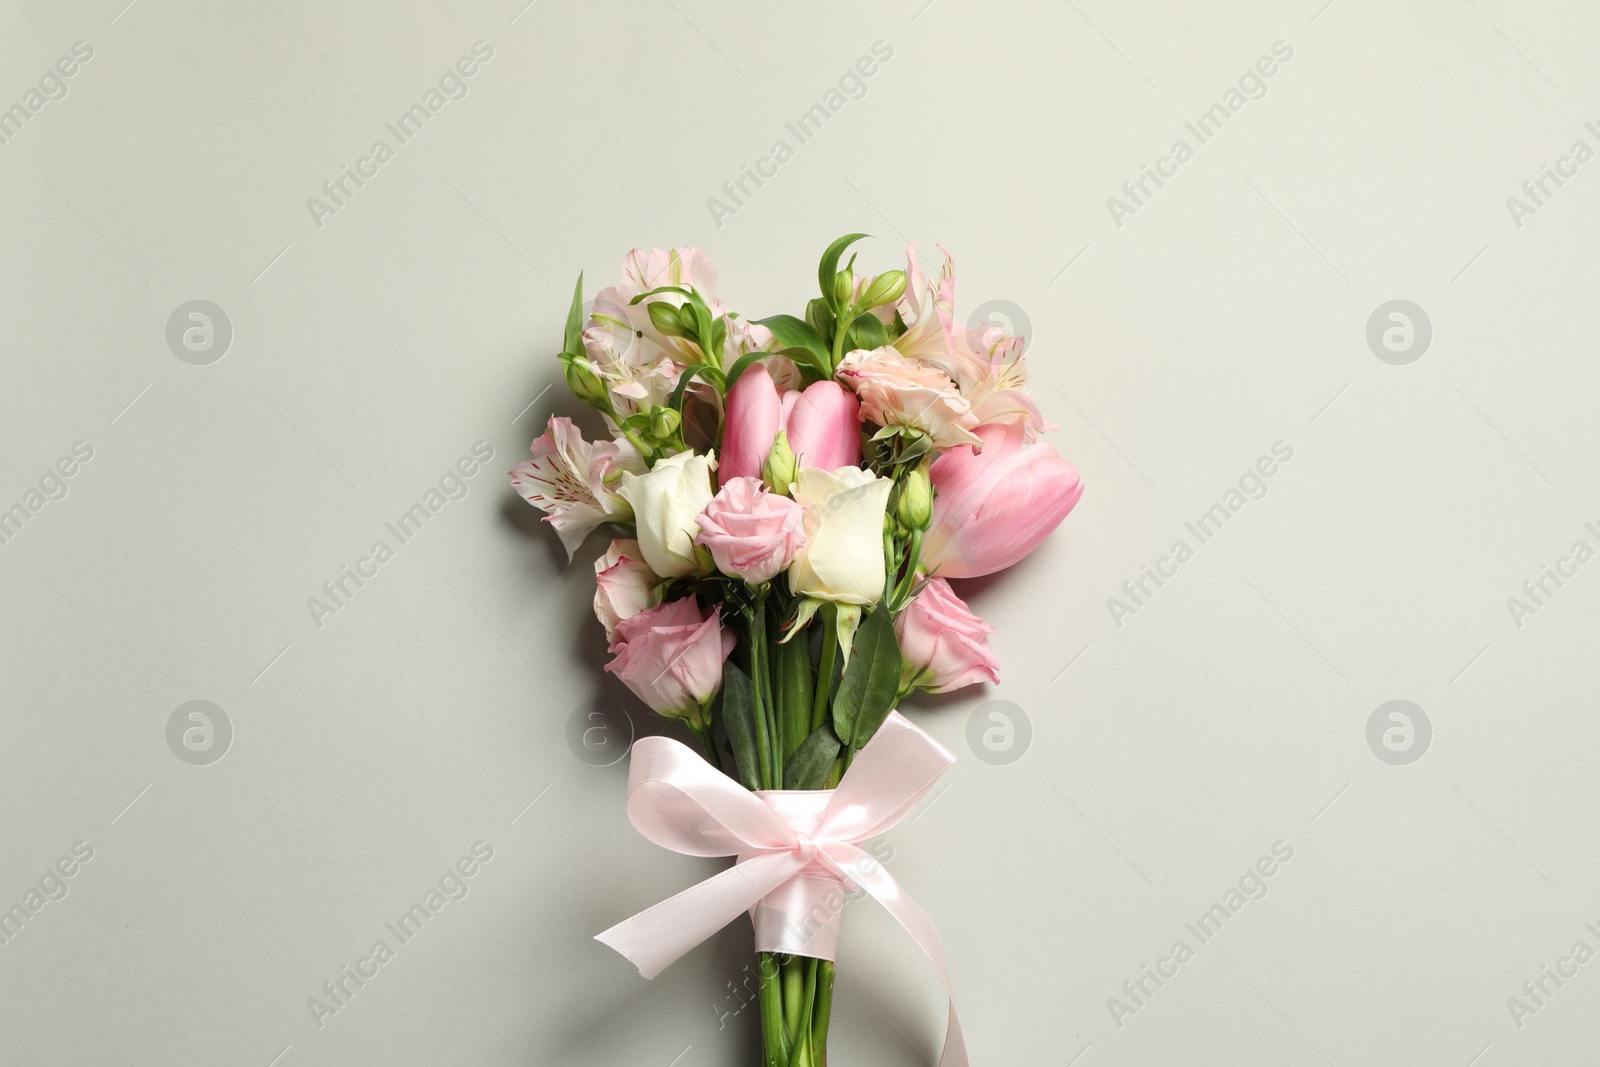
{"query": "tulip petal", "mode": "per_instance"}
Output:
(753, 419)
(824, 427)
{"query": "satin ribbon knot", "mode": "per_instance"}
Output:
(797, 853)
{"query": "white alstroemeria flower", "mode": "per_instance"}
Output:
(573, 481)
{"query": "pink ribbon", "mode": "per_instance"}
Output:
(797, 853)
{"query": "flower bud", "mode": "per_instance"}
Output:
(915, 506)
(844, 287)
(688, 320)
(781, 467)
(664, 317)
(886, 288)
(664, 422)
(584, 382)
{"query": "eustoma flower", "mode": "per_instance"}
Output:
(896, 391)
(574, 482)
(822, 423)
(943, 644)
(842, 559)
(624, 585)
(991, 508)
(671, 657)
(752, 534)
(666, 502)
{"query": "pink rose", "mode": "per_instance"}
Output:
(992, 508)
(896, 391)
(822, 422)
(671, 657)
(624, 585)
(944, 645)
(752, 534)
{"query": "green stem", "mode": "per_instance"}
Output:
(913, 557)
(775, 1044)
(793, 984)
(758, 633)
(830, 648)
(841, 333)
(769, 705)
(823, 1012)
(802, 1055)
(710, 744)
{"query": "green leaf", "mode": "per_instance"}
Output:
(791, 332)
(867, 332)
(739, 719)
(708, 373)
(792, 690)
(829, 266)
(680, 290)
(812, 762)
(739, 367)
(871, 681)
(572, 337)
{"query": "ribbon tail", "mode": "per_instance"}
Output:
(870, 875)
(655, 938)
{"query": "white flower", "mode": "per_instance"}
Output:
(573, 481)
(842, 558)
(666, 502)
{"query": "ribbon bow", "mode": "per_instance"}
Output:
(797, 852)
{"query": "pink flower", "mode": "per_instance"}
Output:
(896, 391)
(986, 364)
(992, 508)
(639, 364)
(823, 424)
(752, 534)
(944, 645)
(574, 482)
(624, 585)
(671, 657)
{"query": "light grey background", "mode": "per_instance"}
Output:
(431, 712)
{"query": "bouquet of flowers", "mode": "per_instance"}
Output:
(795, 494)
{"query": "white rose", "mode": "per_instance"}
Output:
(842, 558)
(666, 502)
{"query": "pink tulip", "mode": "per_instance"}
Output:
(671, 657)
(823, 424)
(751, 533)
(943, 644)
(993, 507)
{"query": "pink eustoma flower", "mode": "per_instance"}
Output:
(751, 533)
(822, 422)
(671, 657)
(624, 584)
(943, 644)
(991, 508)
